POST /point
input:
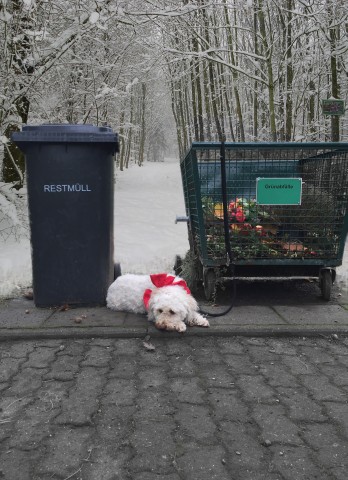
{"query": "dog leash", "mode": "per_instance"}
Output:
(230, 264)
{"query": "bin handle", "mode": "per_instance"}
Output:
(182, 218)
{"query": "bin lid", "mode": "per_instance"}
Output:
(65, 133)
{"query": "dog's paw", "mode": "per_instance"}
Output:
(198, 321)
(180, 327)
(203, 322)
(171, 327)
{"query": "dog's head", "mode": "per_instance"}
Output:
(171, 304)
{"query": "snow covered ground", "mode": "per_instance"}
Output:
(147, 201)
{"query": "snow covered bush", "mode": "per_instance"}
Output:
(13, 212)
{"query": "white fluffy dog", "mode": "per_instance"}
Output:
(166, 299)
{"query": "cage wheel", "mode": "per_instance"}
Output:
(325, 284)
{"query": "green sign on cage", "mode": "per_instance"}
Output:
(278, 191)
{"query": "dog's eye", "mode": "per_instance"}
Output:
(160, 310)
(171, 312)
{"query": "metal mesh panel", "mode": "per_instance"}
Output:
(312, 231)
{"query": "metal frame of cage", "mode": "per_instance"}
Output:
(307, 238)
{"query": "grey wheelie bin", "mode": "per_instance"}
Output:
(70, 196)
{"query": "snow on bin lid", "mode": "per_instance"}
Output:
(65, 133)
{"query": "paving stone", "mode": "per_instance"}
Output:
(255, 389)
(73, 348)
(275, 426)
(14, 461)
(281, 347)
(339, 473)
(113, 424)
(213, 358)
(278, 375)
(26, 381)
(66, 452)
(301, 406)
(105, 464)
(154, 476)
(17, 349)
(338, 374)
(296, 463)
(151, 377)
(41, 357)
(243, 445)
(318, 355)
(329, 448)
(180, 366)
(155, 358)
(226, 404)
(187, 390)
(11, 406)
(339, 413)
(240, 364)
(127, 346)
(342, 359)
(194, 422)
(96, 356)
(217, 376)
(204, 463)
(300, 365)
(64, 368)
(103, 342)
(154, 446)
(119, 392)
(124, 366)
(32, 430)
(11, 409)
(336, 348)
(179, 347)
(9, 367)
(153, 404)
(229, 345)
(322, 389)
(262, 409)
(82, 400)
(261, 355)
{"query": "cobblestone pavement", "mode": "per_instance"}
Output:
(194, 408)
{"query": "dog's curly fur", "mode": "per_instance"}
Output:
(170, 307)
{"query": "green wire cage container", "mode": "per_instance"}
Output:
(286, 210)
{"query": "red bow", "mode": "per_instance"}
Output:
(163, 280)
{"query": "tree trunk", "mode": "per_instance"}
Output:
(268, 55)
(335, 89)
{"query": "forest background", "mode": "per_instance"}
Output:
(164, 73)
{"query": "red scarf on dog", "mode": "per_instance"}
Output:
(162, 280)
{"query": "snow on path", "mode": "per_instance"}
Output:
(147, 201)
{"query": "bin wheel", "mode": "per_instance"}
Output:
(177, 265)
(326, 284)
(209, 280)
(117, 270)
